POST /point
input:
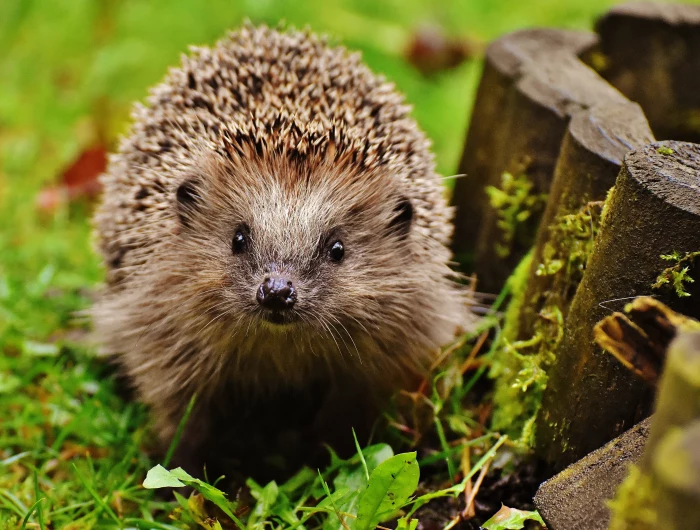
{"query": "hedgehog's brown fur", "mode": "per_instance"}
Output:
(297, 140)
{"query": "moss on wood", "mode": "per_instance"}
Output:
(590, 397)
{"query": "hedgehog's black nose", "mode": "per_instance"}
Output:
(276, 294)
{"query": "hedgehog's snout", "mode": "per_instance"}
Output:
(276, 293)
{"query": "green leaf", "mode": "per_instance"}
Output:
(390, 486)
(266, 498)
(343, 501)
(334, 498)
(354, 477)
(331, 499)
(209, 492)
(302, 479)
(353, 480)
(511, 519)
(180, 500)
(406, 524)
(359, 453)
(159, 477)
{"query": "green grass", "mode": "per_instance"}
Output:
(73, 453)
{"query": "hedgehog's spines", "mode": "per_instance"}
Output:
(266, 117)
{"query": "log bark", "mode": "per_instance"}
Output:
(678, 401)
(651, 53)
(576, 499)
(664, 493)
(595, 144)
(672, 454)
(676, 475)
(640, 337)
(653, 211)
(532, 83)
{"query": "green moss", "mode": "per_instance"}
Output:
(515, 203)
(516, 285)
(633, 507)
(677, 275)
(609, 197)
(521, 365)
(567, 251)
(663, 150)
(598, 61)
(673, 461)
(519, 379)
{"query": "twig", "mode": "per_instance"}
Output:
(477, 347)
(468, 487)
(469, 510)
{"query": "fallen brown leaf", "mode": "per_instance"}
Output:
(77, 181)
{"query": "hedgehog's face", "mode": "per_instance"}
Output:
(279, 247)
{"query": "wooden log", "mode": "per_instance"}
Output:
(651, 53)
(533, 82)
(653, 211)
(576, 498)
(664, 491)
(579, 496)
(672, 455)
(640, 337)
(676, 477)
(678, 401)
(595, 144)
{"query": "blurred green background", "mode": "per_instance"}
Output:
(70, 69)
(65, 62)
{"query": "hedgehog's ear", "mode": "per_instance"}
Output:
(189, 200)
(402, 217)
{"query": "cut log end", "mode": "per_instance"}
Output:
(671, 171)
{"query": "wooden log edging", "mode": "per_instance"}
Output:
(651, 53)
(676, 471)
(663, 491)
(654, 211)
(678, 400)
(614, 482)
(592, 152)
(533, 82)
(576, 499)
(594, 146)
(672, 455)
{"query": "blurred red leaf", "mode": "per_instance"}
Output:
(431, 51)
(79, 180)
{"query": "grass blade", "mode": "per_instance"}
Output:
(180, 430)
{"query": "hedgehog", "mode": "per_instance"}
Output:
(273, 220)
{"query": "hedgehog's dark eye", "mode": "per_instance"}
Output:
(240, 240)
(337, 251)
